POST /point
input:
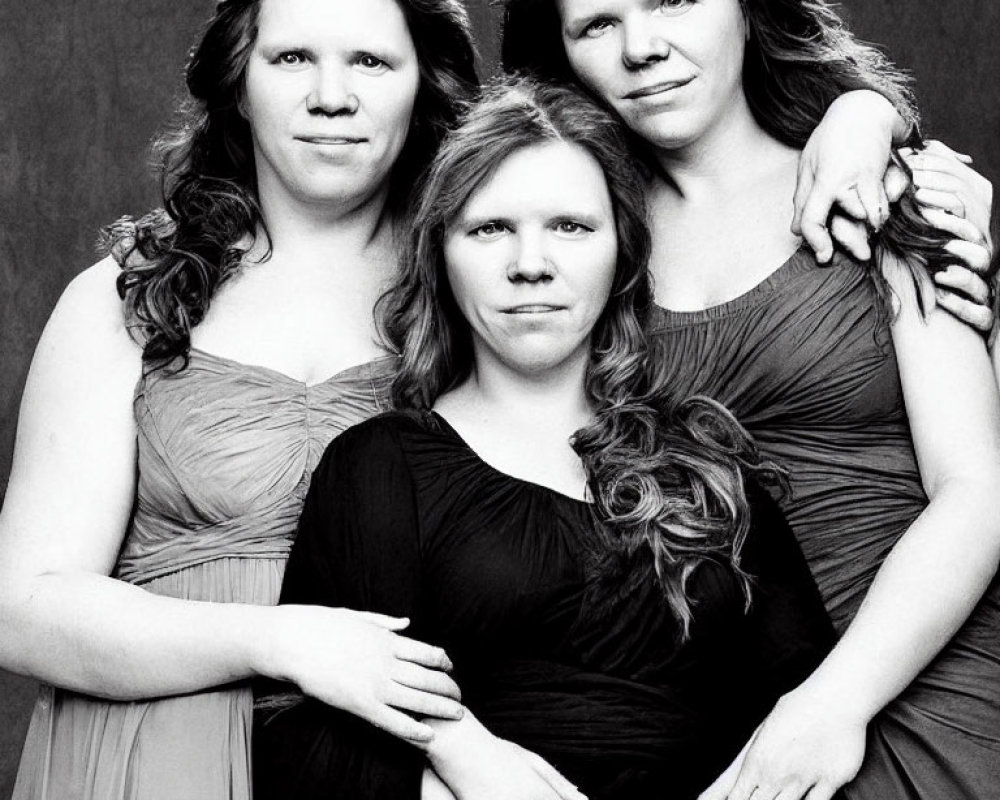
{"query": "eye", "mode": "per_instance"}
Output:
(569, 227)
(675, 6)
(596, 27)
(290, 58)
(489, 230)
(371, 63)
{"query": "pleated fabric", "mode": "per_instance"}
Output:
(226, 451)
(806, 362)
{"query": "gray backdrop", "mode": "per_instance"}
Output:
(83, 87)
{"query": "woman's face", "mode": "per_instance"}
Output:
(670, 68)
(531, 258)
(329, 91)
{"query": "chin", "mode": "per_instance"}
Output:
(666, 130)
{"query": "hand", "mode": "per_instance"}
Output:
(960, 204)
(358, 662)
(943, 179)
(844, 162)
(476, 765)
(806, 747)
(433, 788)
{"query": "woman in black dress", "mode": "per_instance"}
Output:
(616, 593)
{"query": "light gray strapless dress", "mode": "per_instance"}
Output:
(226, 451)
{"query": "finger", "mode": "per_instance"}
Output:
(401, 725)
(972, 314)
(895, 182)
(875, 203)
(852, 236)
(433, 788)
(937, 146)
(407, 673)
(974, 256)
(849, 199)
(938, 161)
(423, 703)
(956, 226)
(939, 181)
(721, 786)
(421, 653)
(792, 790)
(821, 791)
(559, 783)
(803, 188)
(946, 201)
(384, 621)
(813, 223)
(964, 281)
(748, 785)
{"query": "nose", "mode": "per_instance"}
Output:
(331, 93)
(531, 262)
(642, 43)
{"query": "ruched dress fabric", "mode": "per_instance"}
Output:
(578, 663)
(806, 363)
(225, 453)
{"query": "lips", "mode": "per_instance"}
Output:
(332, 140)
(533, 308)
(657, 88)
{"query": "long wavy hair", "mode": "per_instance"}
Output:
(799, 58)
(174, 259)
(670, 486)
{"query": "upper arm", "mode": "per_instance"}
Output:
(949, 390)
(357, 544)
(73, 475)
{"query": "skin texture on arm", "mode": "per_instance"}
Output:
(68, 504)
(813, 741)
(62, 619)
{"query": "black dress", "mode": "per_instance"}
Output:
(404, 518)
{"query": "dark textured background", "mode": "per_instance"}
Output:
(84, 85)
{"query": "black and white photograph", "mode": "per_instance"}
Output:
(499, 400)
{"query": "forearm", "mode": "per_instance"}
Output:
(104, 637)
(920, 597)
(898, 123)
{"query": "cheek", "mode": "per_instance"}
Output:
(601, 274)
(590, 63)
(396, 105)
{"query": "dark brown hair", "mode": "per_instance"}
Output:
(175, 259)
(668, 484)
(799, 58)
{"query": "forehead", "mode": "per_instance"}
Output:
(551, 176)
(336, 20)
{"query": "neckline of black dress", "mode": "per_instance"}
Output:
(449, 429)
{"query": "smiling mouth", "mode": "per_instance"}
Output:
(534, 308)
(657, 88)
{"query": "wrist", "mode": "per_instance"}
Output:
(267, 649)
(869, 104)
(451, 736)
(835, 697)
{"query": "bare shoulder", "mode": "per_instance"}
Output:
(88, 322)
